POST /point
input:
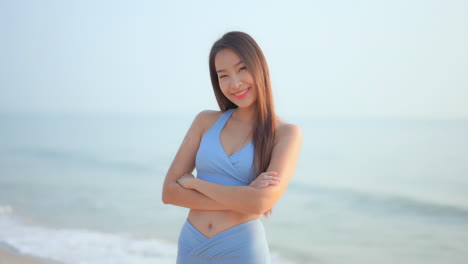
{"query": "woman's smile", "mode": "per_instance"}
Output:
(242, 93)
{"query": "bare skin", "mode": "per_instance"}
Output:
(215, 207)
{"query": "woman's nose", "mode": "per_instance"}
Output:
(236, 82)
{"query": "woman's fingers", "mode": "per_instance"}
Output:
(273, 178)
(266, 183)
(270, 178)
(273, 182)
(266, 179)
(270, 173)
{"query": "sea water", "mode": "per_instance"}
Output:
(86, 188)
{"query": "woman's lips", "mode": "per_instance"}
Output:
(241, 94)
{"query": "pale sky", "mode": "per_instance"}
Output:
(365, 58)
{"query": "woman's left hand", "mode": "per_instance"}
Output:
(187, 181)
(265, 179)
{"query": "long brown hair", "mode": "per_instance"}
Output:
(252, 56)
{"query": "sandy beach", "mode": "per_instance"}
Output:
(8, 256)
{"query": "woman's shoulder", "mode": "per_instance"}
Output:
(206, 118)
(287, 130)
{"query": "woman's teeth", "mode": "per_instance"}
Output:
(241, 93)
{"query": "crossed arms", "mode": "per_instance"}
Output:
(182, 189)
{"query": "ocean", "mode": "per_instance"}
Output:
(86, 188)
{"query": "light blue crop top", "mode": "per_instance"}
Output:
(214, 165)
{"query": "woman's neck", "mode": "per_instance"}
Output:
(244, 114)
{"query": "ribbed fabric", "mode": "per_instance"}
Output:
(241, 244)
(214, 165)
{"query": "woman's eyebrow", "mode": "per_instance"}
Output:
(223, 70)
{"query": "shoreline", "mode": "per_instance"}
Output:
(8, 255)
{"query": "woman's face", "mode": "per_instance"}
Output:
(235, 80)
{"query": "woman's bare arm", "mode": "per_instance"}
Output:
(184, 163)
(247, 199)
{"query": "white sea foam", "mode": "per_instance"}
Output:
(73, 246)
(78, 246)
(5, 210)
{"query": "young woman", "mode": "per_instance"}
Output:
(244, 155)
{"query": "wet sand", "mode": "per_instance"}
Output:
(9, 256)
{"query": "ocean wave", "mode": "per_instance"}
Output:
(386, 203)
(76, 158)
(5, 210)
(73, 246)
(81, 246)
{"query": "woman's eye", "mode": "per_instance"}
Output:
(222, 76)
(243, 68)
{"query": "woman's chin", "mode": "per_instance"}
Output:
(244, 103)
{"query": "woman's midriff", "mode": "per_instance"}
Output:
(210, 223)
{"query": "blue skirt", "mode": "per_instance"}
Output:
(245, 243)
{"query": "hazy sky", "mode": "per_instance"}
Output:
(327, 58)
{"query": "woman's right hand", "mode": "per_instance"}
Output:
(265, 179)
